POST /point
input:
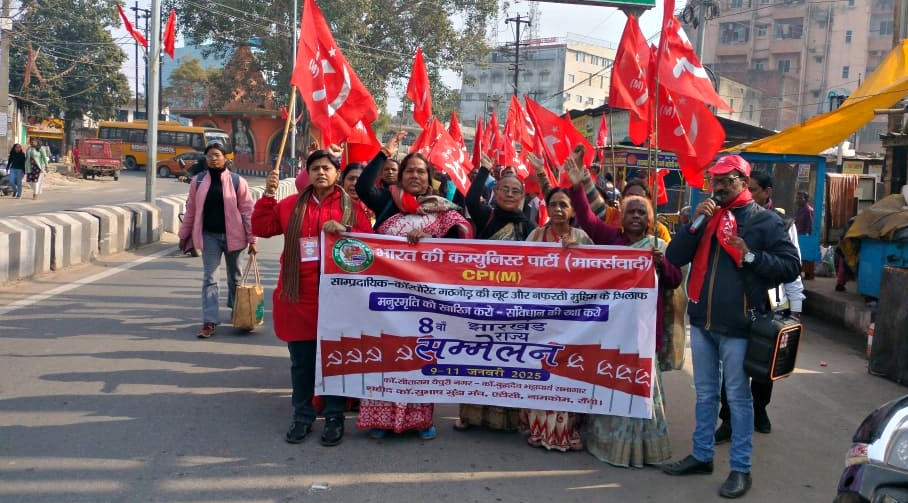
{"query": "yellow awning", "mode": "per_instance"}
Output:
(885, 87)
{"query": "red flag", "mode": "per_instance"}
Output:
(477, 143)
(353, 355)
(690, 130)
(400, 354)
(680, 70)
(284, 113)
(362, 145)
(334, 95)
(661, 193)
(574, 138)
(489, 133)
(602, 135)
(625, 372)
(451, 158)
(550, 129)
(372, 353)
(332, 357)
(136, 34)
(575, 361)
(543, 217)
(495, 146)
(170, 33)
(455, 131)
(630, 82)
(418, 90)
(423, 143)
(521, 125)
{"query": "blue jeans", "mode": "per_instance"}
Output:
(15, 179)
(302, 375)
(213, 246)
(714, 355)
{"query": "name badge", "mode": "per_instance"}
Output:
(308, 249)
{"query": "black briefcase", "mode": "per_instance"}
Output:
(772, 349)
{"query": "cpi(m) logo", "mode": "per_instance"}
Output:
(352, 255)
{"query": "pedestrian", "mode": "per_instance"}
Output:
(218, 219)
(555, 429)
(16, 165)
(319, 205)
(804, 222)
(76, 158)
(348, 178)
(36, 161)
(619, 440)
(786, 297)
(736, 256)
(413, 209)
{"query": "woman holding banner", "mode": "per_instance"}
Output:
(319, 206)
(554, 429)
(626, 441)
(413, 210)
(503, 221)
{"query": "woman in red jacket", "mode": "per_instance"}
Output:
(320, 205)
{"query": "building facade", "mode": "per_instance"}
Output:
(559, 73)
(804, 56)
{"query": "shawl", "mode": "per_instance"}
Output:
(431, 214)
(723, 226)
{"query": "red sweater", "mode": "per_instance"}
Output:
(298, 321)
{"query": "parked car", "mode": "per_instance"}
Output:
(100, 158)
(876, 466)
(177, 166)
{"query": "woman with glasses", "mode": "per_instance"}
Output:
(505, 221)
(320, 205)
(413, 209)
(218, 220)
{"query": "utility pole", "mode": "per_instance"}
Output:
(141, 14)
(154, 51)
(519, 20)
(6, 26)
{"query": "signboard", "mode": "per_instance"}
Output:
(853, 167)
(646, 4)
(488, 322)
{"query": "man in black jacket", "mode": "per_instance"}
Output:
(737, 251)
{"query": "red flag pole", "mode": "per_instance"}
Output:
(280, 152)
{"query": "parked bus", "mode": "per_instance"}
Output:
(173, 139)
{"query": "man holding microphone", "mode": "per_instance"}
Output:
(737, 251)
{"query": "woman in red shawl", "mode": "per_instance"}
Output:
(320, 205)
(412, 209)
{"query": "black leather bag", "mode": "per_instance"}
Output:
(772, 349)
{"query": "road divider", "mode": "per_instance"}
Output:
(32, 245)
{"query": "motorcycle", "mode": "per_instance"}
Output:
(6, 186)
(876, 466)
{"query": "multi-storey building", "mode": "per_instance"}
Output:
(559, 73)
(805, 56)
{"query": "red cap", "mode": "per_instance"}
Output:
(730, 163)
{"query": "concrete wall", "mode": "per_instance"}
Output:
(39, 244)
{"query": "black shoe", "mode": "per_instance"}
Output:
(333, 432)
(723, 434)
(297, 432)
(840, 288)
(761, 421)
(736, 485)
(688, 466)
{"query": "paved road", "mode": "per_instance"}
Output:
(69, 193)
(106, 395)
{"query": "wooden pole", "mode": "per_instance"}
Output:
(280, 152)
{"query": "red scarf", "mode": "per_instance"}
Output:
(724, 226)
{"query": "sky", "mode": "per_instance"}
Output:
(555, 20)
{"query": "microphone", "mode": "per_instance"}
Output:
(698, 222)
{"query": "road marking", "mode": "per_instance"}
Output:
(39, 297)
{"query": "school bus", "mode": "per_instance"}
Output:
(173, 139)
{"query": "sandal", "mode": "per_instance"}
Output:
(461, 425)
(428, 434)
(377, 433)
(207, 331)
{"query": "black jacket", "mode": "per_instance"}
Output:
(724, 308)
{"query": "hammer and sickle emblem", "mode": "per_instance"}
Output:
(404, 353)
(373, 355)
(335, 358)
(342, 95)
(575, 361)
(354, 356)
(604, 368)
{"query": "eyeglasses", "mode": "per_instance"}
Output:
(513, 192)
(724, 181)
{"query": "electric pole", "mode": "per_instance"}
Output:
(140, 14)
(519, 20)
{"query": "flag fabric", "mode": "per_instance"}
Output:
(477, 143)
(447, 155)
(602, 134)
(334, 95)
(362, 145)
(284, 113)
(679, 68)
(521, 124)
(689, 129)
(418, 90)
(400, 355)
(496, 140)
(170, 33)
(629, 87)
(550, 129)
(423, 143)
(136, 34)
(661, 192)
(454, 129)
(573, 137)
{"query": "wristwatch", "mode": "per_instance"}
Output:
(749, 257)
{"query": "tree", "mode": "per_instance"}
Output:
(189, 84)
(62, 56)
(378, 37)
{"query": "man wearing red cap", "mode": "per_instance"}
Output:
(738, 250)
